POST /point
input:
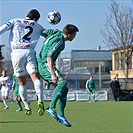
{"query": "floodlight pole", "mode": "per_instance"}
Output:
(76, 81)
(99, 76)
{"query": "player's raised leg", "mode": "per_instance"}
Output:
(61, 106)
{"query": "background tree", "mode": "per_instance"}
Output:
(1, 57)
(117, 34)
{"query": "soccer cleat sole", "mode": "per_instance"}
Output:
(53, 114)
(28, 112)
(41, 109)
(65, 123)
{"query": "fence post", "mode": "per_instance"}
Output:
(76, 81)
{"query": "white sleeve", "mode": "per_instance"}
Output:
(7, 26)
(1, 81)
(87, 84)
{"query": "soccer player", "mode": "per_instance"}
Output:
(5, 82)
(24, 35)
(90, 87)
(15, 88)
(51, 48)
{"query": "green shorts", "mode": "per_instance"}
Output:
(16, 93)
(45, 74)
(91, 91)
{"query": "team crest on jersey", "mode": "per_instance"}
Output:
(32, 23)
(8, 23)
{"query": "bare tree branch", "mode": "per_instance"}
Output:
(117, 33)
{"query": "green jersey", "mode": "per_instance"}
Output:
(90, 85)
(52, 46)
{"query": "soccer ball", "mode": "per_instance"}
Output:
(53, 17)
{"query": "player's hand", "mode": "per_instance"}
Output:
(54, 78)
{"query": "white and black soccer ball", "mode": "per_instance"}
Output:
(53, 17)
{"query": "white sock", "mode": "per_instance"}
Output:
(23, 95)
(5, 102)
(38, 89)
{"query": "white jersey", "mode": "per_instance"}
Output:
(5, 82)
(24, 33)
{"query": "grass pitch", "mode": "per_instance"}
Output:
(99, 117)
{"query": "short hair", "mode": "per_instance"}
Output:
(91, 76)
(70, 29)
(33, 14)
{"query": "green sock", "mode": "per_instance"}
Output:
(62, 102)
(57, 93)
(89, 98)
(19, 104)
(61, 106)
(93, 98)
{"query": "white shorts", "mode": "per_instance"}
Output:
(23, 61)
(4, 91)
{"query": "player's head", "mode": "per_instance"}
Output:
(91, 77)
(70, 31)
(3, 72)
(33, 15)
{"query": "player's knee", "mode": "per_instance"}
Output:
(6, 97)
(21, 81)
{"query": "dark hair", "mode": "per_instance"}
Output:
(91, 76)
(70, 29)
(33, 14)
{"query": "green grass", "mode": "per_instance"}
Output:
(99, 117)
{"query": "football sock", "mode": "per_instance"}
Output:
(23, 95)
(89, 98)
(93, 97)
(62, 102)
(19, 104)
(58, 92)
(38, 89)
(5, 102)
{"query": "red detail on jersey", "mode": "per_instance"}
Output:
(25, 22)
(23, 46)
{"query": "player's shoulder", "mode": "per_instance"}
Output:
(16, 19)
(34, 24)
(57, 31)
(87, 80)
(11, 22)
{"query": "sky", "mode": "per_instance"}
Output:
(88, 15)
